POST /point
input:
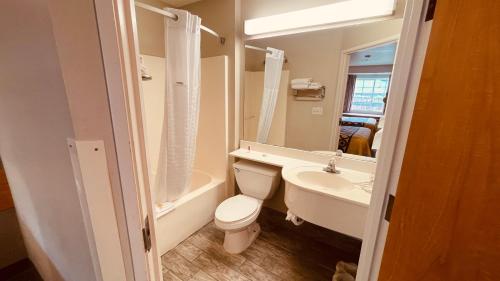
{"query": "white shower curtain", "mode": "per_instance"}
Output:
(182, 102)
(272, 76)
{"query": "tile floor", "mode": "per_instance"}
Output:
(281, 252)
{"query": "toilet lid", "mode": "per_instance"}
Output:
(236, 208)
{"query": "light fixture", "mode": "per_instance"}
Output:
(345, 11)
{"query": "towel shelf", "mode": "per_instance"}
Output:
(309, 94)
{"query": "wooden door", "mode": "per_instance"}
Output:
(446, 219)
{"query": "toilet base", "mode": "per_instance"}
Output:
(237, 241)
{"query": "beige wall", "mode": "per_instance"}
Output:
(150, 29)
(317, 55)
(35, 122)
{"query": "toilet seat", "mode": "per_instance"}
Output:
(237, 212)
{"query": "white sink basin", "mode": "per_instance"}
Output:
(315, 177)
(335, 201)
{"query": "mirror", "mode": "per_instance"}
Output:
(329, 93)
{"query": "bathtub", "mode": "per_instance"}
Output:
(193, 210)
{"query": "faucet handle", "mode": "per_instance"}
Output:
(332, 162)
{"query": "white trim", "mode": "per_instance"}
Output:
(90, 170)
(342, 84)
(368, 270)
(116, 24)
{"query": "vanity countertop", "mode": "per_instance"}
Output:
(358, 196)
(271, 159)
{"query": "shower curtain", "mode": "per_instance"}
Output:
(182, 102)
(272, 76)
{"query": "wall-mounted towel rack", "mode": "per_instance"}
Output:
(309, 94)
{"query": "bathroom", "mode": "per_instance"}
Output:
(259, 185)
(148, 140)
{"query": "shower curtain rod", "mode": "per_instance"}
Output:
(175, 17)
(258, 49)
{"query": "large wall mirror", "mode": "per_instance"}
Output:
(322, 90)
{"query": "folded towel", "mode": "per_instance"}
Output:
(300, 85)
(315, 86)
(301, 80)
(307, 86)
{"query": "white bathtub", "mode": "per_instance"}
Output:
(192, 211)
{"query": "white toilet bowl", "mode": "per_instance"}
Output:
(237, 215)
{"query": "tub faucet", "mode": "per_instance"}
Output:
(331, 164)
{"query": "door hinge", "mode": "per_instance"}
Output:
(431, 8)
(146, 235)
(388, 210)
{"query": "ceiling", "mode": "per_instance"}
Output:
(179, 3)
(381, 55)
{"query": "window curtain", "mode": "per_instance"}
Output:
(272, 77)
(349, 92)
(182, 102)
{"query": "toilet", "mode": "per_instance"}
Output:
(237, 215)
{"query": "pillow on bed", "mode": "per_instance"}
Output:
(381, 122)
(377, 139)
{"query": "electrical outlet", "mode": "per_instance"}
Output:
(317, 110)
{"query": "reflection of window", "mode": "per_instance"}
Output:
(369, 94)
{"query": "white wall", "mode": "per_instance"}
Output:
(35, 122)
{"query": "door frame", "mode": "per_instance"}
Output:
(119, 45)
(342, 83)
(404, 74)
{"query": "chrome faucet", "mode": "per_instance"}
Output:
(331, 164)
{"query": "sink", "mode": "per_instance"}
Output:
(315, 177)
(334, 201)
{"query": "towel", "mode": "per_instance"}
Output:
(306, 86)
(301, 80)
(300, 85)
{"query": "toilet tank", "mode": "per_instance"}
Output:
(257, 180)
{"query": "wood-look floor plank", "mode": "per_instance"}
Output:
(218, 270)
(283, 263)
(169, 276)
(202, 276)
(187, 250)
(257, 273)
(211, 231)
(216, 250)
(178, 265)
